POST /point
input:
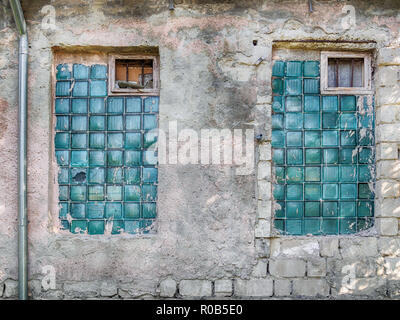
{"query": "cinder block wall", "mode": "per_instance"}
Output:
(214, 234)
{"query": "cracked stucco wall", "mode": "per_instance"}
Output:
(214, 235)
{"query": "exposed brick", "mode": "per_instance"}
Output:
(167, 288)
(254, 288)
(387, 226)
(264, 171)
(389, 246)
(387, 151)
(10, 289)
(287, 268)
(387, 76)
(294, 248)
(260, 269)
(82, 289)
(264, 209)
(392, 268)
(388, 132)
(388, 56)
(282, 287)
(329, 247)
(394, 289)
(264, 190)
(265, 151)
(388, 208)
(316, 267)
(263, 228)
(262, 247)
(360, 247)
(195, 288)
(388, 169)
(310, 287)
(223, 288)
(387, 189)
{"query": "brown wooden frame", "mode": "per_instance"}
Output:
(367, 73)
(112, 90)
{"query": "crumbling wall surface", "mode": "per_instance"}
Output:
(214, 227)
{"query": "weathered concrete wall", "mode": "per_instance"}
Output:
(214, 227)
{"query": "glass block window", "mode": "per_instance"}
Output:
(107, 168)
(323, 155)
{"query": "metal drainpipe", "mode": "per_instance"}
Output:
(22, 123)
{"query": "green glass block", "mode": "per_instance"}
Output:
(61, 140)
(115, 123)
(114, 193)
(63, 88)
(78, 141)
(98, 88)
(330, 191)
(348, 155)
(311, 68)
(97, 158)
(132, 122)
(311, 86)
(364, 224)
(294, 226)
(62, 123)
(80, 71)
(79, 158)
(133, 140)
(294, 209)
(277, 104)
(80, 89)
(348, 121)
(367, 139)
(96, 175)
(63, 175)
(293, 87)
(97, 123)
(311, 103)
(64, 225)
(79, 105)
(78, 193)
(279, 192)
(62, 105)
(348, 138)
(330, 120)
(278, 138)
(348, 191)
(348, 173)
(115, 140)
(96, 140)
(149, 158)
(312, 191)
(132, 226)
(312, 226)
(78, 210)
(151, 104)
(115, 175)
(278, 69)
(115, 105)
(347, 209)
(98, 71)
(132, 175)
(113, 210)
(294, 192)
(278, 156)
(63, 72)
(364, 191)
(279, 209)
(132, 193)
(149, 210)
(118, 226)
(365, 173)
(330, 174)
(115, 158)
(293, 104)
(294, 68)
(133, 104)
(347, 226)
(311, 121)
(365, 208)
(277, 86)
(150, 175)
(312, 138)
(62, 158)
(329, 209)
(348, 103)
(97, 105)
(149, 122)
(294, 156)
(366, 155)
(330, 138)
(78, 226)
(313, 156)
(330, 103)
(64, 209)
(132, 210)
(294, 121)
(279, 225)
(330, 226)
(149, 139)
(146, 225)
(312, 209)
(96, 193)
(280, 174)
(78, 175)
(277, 121)
(79, 123)
(132, 158)
(294, 139)
(313, 174)
(63, 193)
(295, 174)
(96, 227)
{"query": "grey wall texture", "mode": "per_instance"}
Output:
(214, 227)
